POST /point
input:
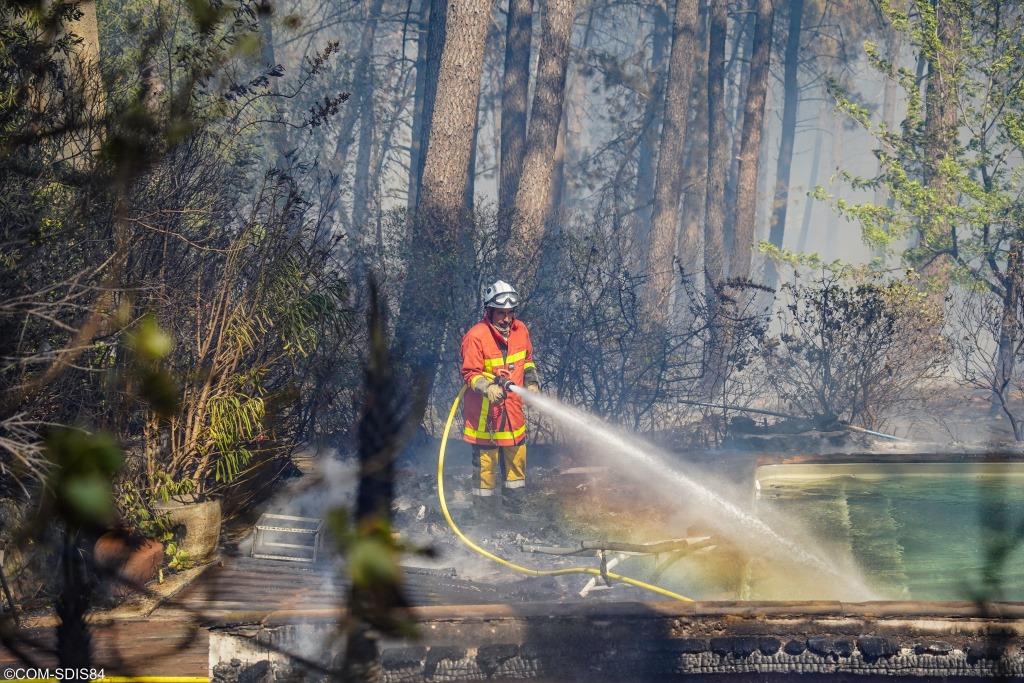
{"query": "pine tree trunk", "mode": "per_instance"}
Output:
(514, 101)
(361, 177)
(647, 150)
(750, 146)
(828, 248)
(791, 96)
(268, 59)
(695, 158)
(669, 186)
(360, 83)
(85, 60)
(805, 225)
(434, 267)
(741, 50)
(533, 198)
(417, 138)
(718, 152)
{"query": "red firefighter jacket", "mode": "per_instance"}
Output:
(485, 352)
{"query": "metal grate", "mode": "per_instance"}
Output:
(287, 537)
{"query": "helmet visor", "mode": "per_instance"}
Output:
(504, 301)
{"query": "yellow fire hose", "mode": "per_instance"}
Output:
(512, 565)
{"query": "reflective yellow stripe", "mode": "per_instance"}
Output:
(481, 423)
(529, 364)
(474, 378)
(484, 434)
(495, 362)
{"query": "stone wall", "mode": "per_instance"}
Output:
(654, 641)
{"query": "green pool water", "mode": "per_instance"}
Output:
(949, 532)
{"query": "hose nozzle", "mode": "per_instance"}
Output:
(505, 383)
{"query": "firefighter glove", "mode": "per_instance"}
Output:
(495, 394)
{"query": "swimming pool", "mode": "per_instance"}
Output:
(922, 528)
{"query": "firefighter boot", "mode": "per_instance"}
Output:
(485, 510)
(514, 504)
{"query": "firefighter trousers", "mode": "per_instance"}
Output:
(494, 464)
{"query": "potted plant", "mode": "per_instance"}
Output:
(178, 506)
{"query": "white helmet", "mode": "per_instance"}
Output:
(501, 295)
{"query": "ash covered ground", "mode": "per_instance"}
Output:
(568, 500)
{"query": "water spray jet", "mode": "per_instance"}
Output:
(754, 529)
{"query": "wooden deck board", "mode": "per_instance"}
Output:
(255, 588)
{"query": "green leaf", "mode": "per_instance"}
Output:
(89, 498)
(150, 342)
(371, 562)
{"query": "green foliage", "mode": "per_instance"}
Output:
(957, 192)
(137, 514)
(234, 420)
(80, 479)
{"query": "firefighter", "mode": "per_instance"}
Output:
(495, 350)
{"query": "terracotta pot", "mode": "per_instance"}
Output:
(134, 558)
(201, 521)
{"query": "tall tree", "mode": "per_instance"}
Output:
(418, 136)
(86, 141)
(750, 145)
(695, 159)
(441, 220)
(718, 152)
(362, 176)
(940, 129)
(533, 198)
(360, 83)
(650, 135)
(514, 101)
(268, 60)
(738, 61)
(669, 185)
(805, 224)
(791, 97)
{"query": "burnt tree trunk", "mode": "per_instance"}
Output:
(750, 146)
(533, 197)
(791, 97)
(515, 84)
(669, 186)
(430, 288)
